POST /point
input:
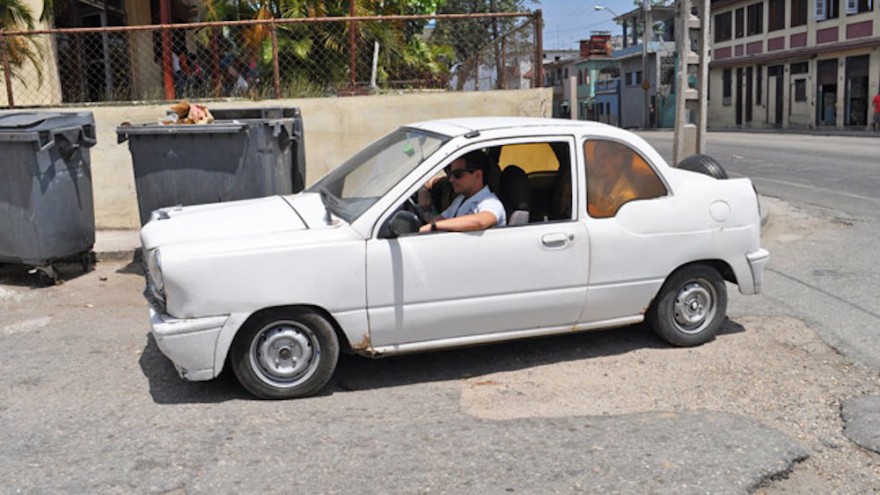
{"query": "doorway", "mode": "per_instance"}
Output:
(826, 98)
(774, 95)
(739, 96)
(857, 91)
(749, 94)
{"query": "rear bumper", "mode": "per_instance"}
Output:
(189, 343)
(757, 262)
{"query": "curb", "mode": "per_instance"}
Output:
(118, 255)
(763, 210)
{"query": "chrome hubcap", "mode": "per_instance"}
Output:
(694, 306)
(285, 354)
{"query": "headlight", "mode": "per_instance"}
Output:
(154, 266)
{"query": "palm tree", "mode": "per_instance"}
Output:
(315, 56)
(15, 15)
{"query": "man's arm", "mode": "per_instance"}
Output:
(465, 223)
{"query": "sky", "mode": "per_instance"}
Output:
(568, 21)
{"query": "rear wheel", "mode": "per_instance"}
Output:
(284, 355)
(691, 306)
(703, 164)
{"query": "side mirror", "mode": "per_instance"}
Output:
(401, 223)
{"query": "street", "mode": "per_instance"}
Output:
(88, 404)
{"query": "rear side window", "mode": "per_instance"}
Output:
(531, 157)
(617, 175)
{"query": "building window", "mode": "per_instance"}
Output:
(723, 28)
(727, 86)
(756, 19)
(800, 68)
(776, 19)
(798, 12)
(580, 78)
(800, 90)
(633, 78)
(740, 22)
(857, 6)
(827, 9)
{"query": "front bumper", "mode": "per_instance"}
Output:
(757, 261)
(189, 343)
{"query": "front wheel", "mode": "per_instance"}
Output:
(285, 355)
(691, 306)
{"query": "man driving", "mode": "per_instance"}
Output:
(475, 207)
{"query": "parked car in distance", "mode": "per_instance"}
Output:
(608, 235)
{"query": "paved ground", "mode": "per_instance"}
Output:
(89, 405)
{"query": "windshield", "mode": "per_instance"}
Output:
(356, 185)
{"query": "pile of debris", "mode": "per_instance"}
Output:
(187, 113)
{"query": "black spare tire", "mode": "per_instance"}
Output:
(703, 164)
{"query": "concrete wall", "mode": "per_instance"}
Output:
(335, 129)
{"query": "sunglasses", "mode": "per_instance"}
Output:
(457, 173)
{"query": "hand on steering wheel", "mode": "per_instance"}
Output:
(418, 210)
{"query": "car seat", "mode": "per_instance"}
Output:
(514, 193)
(560, 207)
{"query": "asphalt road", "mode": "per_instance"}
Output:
(88, 404)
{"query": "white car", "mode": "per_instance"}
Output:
(277, 287)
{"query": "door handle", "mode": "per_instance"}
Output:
(556, 241)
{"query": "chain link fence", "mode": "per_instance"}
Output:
(278, 58)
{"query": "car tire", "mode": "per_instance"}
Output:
(690, 307)
(704, 164)
(285, 355)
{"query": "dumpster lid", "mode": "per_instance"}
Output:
(39, 121)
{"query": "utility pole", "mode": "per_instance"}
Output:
(647, 34)
(692, 79)
(352, 42)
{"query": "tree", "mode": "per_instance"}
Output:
(470, 37)
(15, 15)
(320, 50)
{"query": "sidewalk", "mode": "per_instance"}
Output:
(779, 130)
(116, 244)
(832, 131)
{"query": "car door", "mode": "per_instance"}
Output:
(456, 285)
(630, 218)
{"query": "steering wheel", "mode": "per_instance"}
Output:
(418, 210)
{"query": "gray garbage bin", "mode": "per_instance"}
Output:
(244, 154)
(46, 208)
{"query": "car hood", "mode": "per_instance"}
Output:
(235, 219)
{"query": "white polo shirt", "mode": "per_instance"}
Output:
(484, 200)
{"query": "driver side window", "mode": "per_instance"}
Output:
(616, 175)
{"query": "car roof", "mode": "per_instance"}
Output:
(460, 126)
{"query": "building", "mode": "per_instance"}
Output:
(646, 85)
(606, 103)
(794, 63)
(583, 67)
(595, 66)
